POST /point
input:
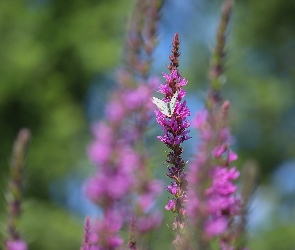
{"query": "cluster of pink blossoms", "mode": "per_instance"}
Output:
(16, 245)
(175, 133)
(120, 166)
(219, 204)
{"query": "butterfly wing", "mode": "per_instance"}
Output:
(162, 106)
(173, 103)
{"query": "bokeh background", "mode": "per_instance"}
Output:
(58, 61)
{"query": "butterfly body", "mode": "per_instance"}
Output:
(167, 108)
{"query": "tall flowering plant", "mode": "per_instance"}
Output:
(122, 186)
(13, 240)
(120, 169)
(175, 127)
(213, 201)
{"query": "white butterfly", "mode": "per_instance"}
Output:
(167, 108)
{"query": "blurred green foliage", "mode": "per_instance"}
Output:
(42, 232)
(281, 238)
(261, 81)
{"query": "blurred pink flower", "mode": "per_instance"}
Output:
(212, 197)
(16, 245)
(200, 119)
(99, 152)
(216, 227)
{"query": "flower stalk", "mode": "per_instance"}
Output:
(86, 244)
(175, 129)
(213, 202)
(118, 146)
(217, 60)
(15, 191)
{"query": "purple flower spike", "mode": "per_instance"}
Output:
(213, 202)
(89, 238)
(172, 117)
(14, 241)
(120, 166)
